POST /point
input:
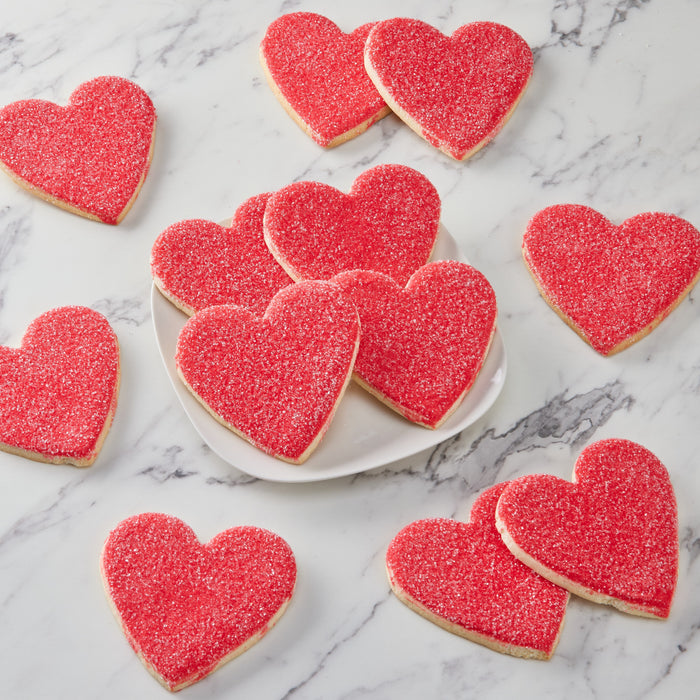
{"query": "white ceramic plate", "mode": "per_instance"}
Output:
(363, 433)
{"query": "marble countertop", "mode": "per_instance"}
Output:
(609, 120)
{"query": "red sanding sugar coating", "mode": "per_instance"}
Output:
(422, 346)
(58, 390)
(185, 607)
(456, 92)
(388, 222)
(274, 379)
(198, 263)
(611, 536)
(462, 576)
(91, 155)
(613, 283)
(319, 72)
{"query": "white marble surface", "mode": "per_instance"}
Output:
(610, 120)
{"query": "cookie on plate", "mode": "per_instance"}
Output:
(187, 608)
(463, 578)
(197, 263)
(90, 157)
(610, 536)
(317, 73)
(422, 346)
(58, 390)
(275, 379)
(455, 91)
(612, 284)
(387, 222)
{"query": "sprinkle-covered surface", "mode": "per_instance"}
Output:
(317, 72)
(455, 91)
(611, 284)
(90, 157)
(198, 263)
(276, 379)
(388, 222)
(422, 346)
(58, 390)
(462, 577)
(187, 608)
(610, 536)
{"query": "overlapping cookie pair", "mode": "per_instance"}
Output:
(454, 91)
(310, 285)
(503, 579)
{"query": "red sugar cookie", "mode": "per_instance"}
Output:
(197, 263)
(610, 536)
(188, 608)
(422, 346)
(388, 222)
(58, 390)
(317, 73)
(456, 92)
(611, 284)
(90, 157)
(463, 578)
(275, 380)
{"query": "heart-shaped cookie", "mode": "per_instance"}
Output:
(317, 73)
(422, 346)
(198, 263)
(90, 157)
(610, 536)
(463, 578)
(188, 608)
(455, 91)
(611, 284)
(388, 222)
(277, 379)
(58, 390)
